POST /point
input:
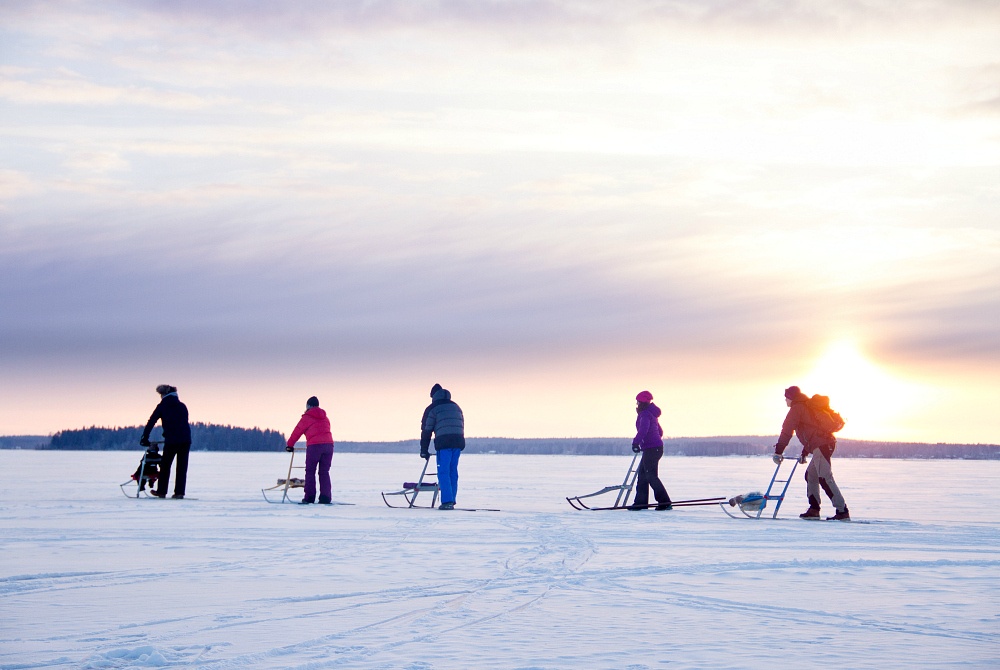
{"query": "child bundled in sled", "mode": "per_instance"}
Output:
(149, 468)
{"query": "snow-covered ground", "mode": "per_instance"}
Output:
(91, 579)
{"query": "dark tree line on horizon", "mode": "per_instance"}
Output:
(204, 437)
(688, 446)
(213, 437)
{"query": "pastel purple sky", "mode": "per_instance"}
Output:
(545, 206)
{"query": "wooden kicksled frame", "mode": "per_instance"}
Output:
(284, 484)
(741, 501)
(624, 489)
(411, 490)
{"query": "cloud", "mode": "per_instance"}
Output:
(394, 293)
(75, 91)
(14, 184)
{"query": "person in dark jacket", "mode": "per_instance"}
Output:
(315, 425)
(818, 442)
(649, 441)
(173, 415)
(444, 419)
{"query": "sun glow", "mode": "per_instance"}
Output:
(870, 399)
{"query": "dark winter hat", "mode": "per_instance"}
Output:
(435, 389)
(644, 396)
(312, 402)
(793, 392)
(164, 389)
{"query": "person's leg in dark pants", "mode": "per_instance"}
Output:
(180, 483)
(169, 451)
(641, 485)
(325, 485)
(312, 462)
(649, 469)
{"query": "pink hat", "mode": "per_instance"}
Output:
(645, 396)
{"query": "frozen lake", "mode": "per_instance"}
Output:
(91, 579)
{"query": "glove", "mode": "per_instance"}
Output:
(289, 448)
(144, 442)
(802, 458)
(777, 458)
(635, 448)
(424, 454)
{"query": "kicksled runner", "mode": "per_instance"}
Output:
(288, 482)
(411, 490)
(624, 491)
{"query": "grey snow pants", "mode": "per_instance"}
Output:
(820, 474)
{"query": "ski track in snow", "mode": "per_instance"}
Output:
(231, 582)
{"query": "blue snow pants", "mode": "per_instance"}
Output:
(447, 468)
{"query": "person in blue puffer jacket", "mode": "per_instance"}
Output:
(648, 440)
(444, 419)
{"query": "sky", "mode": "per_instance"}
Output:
(546, 207)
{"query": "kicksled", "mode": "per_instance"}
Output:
(623, 492)
(412, 490)
(146, 474)
(752, 505)
(271, 494)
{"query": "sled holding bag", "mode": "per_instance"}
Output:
(146, 474)
(752, 505)
(283, 485)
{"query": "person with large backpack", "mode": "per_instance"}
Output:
(814, 423)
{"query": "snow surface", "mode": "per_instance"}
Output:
(92, 579)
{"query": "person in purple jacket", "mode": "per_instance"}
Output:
(648, 440)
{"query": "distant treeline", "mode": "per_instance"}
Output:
(211, 437)
(204, 437)
(24, 441)
(689, 446)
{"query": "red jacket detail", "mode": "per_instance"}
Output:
(315, 426)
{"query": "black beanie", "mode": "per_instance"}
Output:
(435, 389)
(312, 402)
(792, 392)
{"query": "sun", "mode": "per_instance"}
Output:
(870, 398)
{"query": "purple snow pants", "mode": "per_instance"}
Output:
(320, 455)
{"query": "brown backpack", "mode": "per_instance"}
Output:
(823, 417)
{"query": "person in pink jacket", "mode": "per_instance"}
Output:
(315, 425)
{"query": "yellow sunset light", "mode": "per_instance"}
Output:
(871, 399)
